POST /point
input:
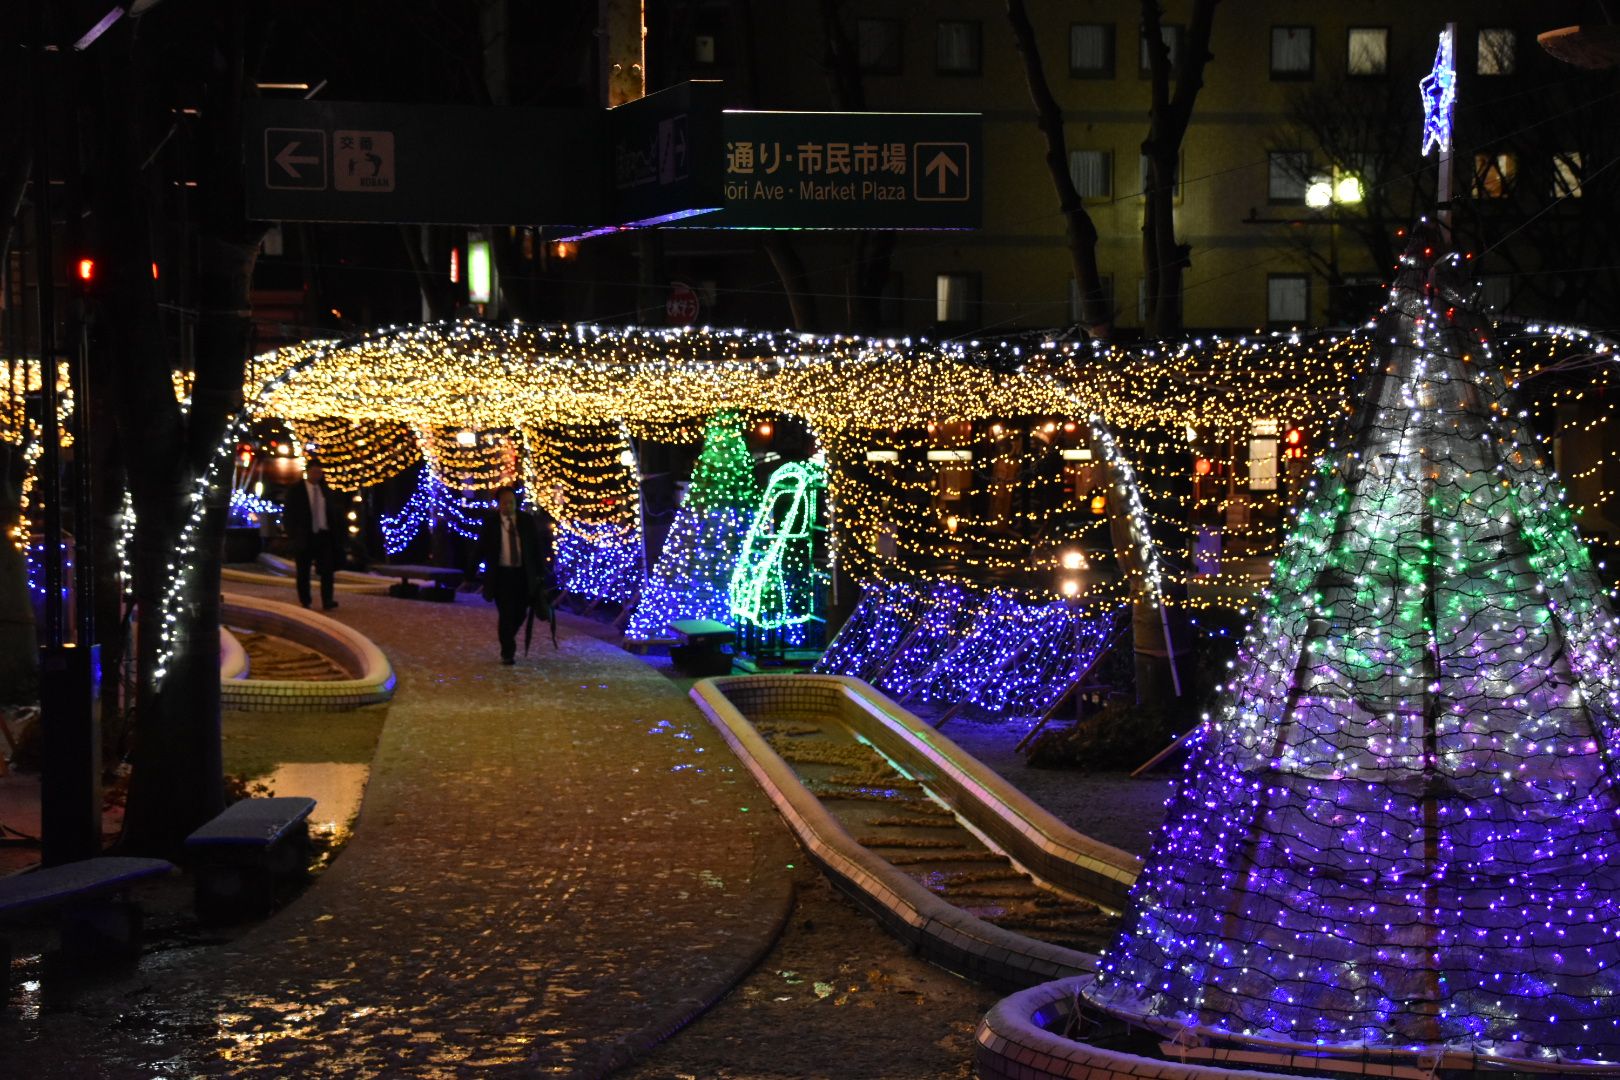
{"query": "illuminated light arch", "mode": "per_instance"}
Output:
(483, 376)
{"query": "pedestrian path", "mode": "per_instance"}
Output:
(556, 864)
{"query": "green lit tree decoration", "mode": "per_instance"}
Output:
(775, 586)
(1395, 836)
(692, 576)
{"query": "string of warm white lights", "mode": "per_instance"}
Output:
(476, 377)
(357, 453)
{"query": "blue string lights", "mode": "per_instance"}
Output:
(1399, 831)
(248, 509)
(432, 504)
(957, 647)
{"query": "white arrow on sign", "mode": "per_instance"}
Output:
(940, 163)
(289, 161)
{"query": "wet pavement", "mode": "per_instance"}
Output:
(556, 865)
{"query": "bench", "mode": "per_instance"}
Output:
(701, 647)
(242, 857)
(95, 920)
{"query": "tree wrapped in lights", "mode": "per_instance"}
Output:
(1396, 833)
(692, 578)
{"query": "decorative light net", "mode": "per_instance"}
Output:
(1398, 828)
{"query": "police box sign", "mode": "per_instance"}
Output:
(795, 170)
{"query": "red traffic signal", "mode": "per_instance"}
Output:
(86, 271)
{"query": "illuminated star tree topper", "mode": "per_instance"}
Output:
(1439, 91)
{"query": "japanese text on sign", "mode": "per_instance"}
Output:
(858, 159)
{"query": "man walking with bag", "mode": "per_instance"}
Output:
(515, 550)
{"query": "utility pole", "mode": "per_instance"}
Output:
(70, 782)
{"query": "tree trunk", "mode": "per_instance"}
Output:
(1096, 310)
(1163, 256)
(19, 646)
(177, 782)
(868, 276)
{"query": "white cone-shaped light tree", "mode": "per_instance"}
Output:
(1397, 831)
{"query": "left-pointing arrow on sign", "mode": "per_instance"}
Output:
(289, 161)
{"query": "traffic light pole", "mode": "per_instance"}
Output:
(70, 780)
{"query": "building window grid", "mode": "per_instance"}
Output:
(1287, 172)
(1142, 177)
(954, 297)
(957, 50)
(1367, 52)
(1092, 172)
(1494, 174)
(1498, 51)
(1173, 33)
(1567, 175)
(1293, 53)
(1288, 299)
(1091, 50)
(877, 46)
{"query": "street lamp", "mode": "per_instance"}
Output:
(1329, 191)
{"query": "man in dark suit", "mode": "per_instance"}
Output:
(314, 519)
(515, 550)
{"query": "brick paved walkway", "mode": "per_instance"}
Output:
(556, 864)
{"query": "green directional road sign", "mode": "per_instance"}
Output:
(450, 164)
(659, 159)
(800, 170)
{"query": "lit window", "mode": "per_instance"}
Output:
(958, 48)
(1172, 34)
(1567, 175)
(1367, 51)
(1287, 173)
(877, 46)
(1092, 172)
(1497, 49)
(1493, 175)
(1288, 299)
(953, 297)
(1292, 52)
(1091, 51)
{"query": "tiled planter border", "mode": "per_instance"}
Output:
(940, 931)
(345, 581)
(1028, 833)
(371, 676)
(1012, 1043)
(233, 659)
